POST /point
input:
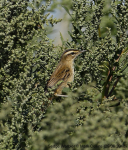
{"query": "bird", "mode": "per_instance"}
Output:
(64, 72)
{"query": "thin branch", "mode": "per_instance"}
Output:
(109, 79)
(113, 86)
(107, 83)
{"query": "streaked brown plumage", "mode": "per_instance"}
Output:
(64, 71)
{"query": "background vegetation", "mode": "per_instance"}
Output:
(95, 114)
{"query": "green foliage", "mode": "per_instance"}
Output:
(95, 113)
(25, 51)
(106, 43)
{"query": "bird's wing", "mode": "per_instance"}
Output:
(59, 75)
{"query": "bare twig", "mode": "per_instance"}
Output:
(109, 79)
(113, 86)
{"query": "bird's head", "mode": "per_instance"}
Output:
(70, 54)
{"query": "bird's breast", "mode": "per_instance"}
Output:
(71, 78)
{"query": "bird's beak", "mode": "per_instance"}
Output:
(83, 51)
(80, 52)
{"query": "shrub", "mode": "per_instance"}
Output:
(95, 113)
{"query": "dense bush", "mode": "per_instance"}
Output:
(95, 113)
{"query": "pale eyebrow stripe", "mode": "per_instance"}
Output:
(69, 52)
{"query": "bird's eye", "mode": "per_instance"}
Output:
(72, 53)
